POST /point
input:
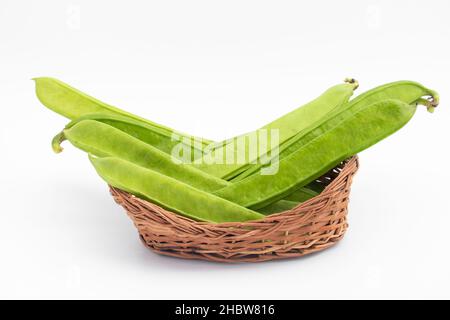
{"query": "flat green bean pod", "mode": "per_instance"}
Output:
(351, 135)
(170, 193)
(103, 140)
(406, 91)
(72, 103)
(287, 126)
(143, 132)
(279, 206)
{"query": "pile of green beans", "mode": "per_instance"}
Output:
(136, 155)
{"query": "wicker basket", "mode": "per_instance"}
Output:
(312, 226)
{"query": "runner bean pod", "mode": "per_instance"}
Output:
(103, 140)
(72, 103)
(288, 126)
(351, 135)
(407, 91)
(170, 193)
(140, 131)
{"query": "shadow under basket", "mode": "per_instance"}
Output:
(312, 226)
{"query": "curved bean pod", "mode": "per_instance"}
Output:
(103, 140)
(351, 135)
(406, 91)
(279, 206)
(72, 103)
(140, 131)
(170, 193)
(288, 126)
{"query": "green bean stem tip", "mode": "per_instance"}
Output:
(352, 81)
(56, 142)
(430, 103)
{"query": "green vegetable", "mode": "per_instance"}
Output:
(279, 206)
(136, 155)
(288, 126)
(143, 132)
(302, 194)
(354, 133)
(103, 140)
(406, 91)
(170, 193)
(72, 103)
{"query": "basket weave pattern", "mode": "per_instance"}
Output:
(312, 226)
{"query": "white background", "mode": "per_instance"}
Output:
(217, 69)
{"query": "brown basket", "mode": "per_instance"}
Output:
(310, 227)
